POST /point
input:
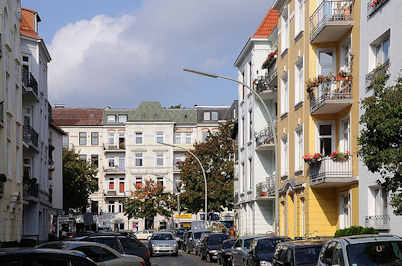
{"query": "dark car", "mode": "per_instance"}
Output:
(179, 234)
(240, 250)
(225, 252)
(45, 257)
(198, 243)
(301, 252)
(262, 250)
(123, 244)
(193, 239)
(210, 246)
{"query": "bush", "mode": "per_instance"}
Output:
(356, 230)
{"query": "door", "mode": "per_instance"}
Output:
(344, 210)
(326, 66)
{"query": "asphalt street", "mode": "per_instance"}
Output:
(182, 259)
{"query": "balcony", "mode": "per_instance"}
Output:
(373, 6)
(114, 170)
(31, 189)
(1, 114)
(30, 87)
(329, 94)
(265, 190)
(30, 136)
(115, 194)
(264, 139)
(266, 85)
(331, 21)
(379, 222)
(330, 173)
(378, 72)
(114, 148)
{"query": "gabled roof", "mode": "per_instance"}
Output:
(77, 116)
(267, 24)
(27, 25)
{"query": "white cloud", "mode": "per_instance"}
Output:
(139, 56)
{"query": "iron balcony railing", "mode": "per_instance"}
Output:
(30, 136)
(31, 189)
(265, 83)
(335, 90)
(266, 189)
(265, 136)
(374, 5)
(381, 222)
(328, 169)
(330, 11)
(29, 81)
(377, 72)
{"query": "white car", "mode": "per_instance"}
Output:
(101, 254)
(144, 235)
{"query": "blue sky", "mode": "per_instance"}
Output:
(122, 52)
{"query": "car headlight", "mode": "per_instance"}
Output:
(154, 245)
(265, 263)
(213, 251)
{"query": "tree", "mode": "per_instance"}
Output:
(381, 135)
(148, 201)
(78, 181)
(177, 106)
(216, 155)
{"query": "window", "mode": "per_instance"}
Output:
(122, 163)
(284, 30)
(299, 82)
(177, 138)
(110, 138)
(250, 128)
(122, 118)
(205, 134)
(159, 159)
(138, 181)
(160, 181)
(111, 119)
(95, 160)
(299, 17)
(207, 116)
(380, 201)
(284, 157)
(284, 95)
(138, 137)
(121, 209)
(138, 159)
(244, 177)
(381, 52)
(110, 161)
(243, 87)
(111, 207)
(83, 138)
(215, 116)
(94, 138)
(345, 135)
(159, 136)
(250, 176)
(121, 186)
(65, 142)
(188, 138)
(83, 157)
(299, 150)
(243, 131)
(122, 141)
(326, 141)
(111, 184)
(326, 61)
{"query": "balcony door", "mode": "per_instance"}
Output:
(326, 65)
(345, 210)
(325, 143)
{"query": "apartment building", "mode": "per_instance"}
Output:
(11, 123)
(318, 112)
(379, 38)
(256, 160)
(126, 146)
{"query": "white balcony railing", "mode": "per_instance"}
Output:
(265, 137)
(266, 189)
(331, 173)
(380, 222)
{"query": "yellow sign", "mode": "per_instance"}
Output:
(184, 216)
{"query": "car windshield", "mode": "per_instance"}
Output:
(180, 234)
(247, 243)
(265, 245)
(129, 243)
(162, 237)
(197, 235)
(228, 243)
(375, 253)
(216, 239)
(307, 255)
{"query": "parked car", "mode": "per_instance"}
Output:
(101, 254)
(22, 257)
(193, 239)
(370, 250)
(210, 246)
(123, 244)
(186, 239)
(300, 252)
(163, 243)
(198, 244)
(225, 252)
(179, 235)
(240, 250)
(144, 235)
(262, 250)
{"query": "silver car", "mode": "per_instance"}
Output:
(101, 254)
(163, 243)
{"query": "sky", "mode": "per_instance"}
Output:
(122, 52)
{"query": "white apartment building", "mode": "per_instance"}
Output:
(380, 37)
(255, 190)
(11, 123)
(125, 143)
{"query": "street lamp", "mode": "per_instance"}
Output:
(271, 125)
(203, 173)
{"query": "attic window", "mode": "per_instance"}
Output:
(185, 116)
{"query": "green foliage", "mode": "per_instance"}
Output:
(148, 201)
(381, 137)
(216, 155)
(355, 230)
(177, 106)
(79, 181)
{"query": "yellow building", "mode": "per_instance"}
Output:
(318, 111)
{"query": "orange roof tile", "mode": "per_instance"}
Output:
(267, 25)
(27, 25)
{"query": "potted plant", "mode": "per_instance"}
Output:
(340, 156)
(312, 159)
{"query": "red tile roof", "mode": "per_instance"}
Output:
(77, 116)
(267, 25)
(27, 25)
